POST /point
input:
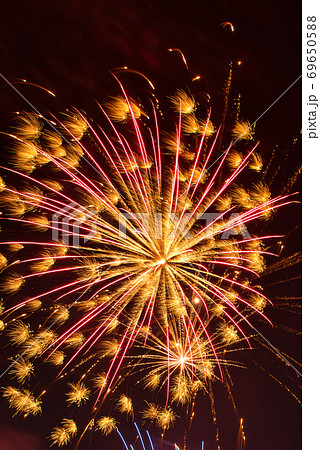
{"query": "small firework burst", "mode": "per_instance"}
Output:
(22, 401)
(22, 370)
(60, 436)
(124, 405)
(243, 131)
(63, 434)
(106, 425)
(182, 102)
(78, 394)
(165, 418)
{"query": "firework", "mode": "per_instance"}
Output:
(106, 425)
(62, 435)
(243, 130)
(133, 255)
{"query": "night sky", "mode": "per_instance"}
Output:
(70, 47)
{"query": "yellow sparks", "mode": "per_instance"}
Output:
(28, 126)
(15, 247)
(60, 436)
(152, 381)
(260, 193)
(190, 124)
(43, 264)
(78, 394)
(100, 381)
(109, 348)
(12, 283)
(256, 162)
(228, 334)
(151, 412)
(38, 222)
(106, 425)
(60, 314)
(119, 110)
(18, 333)
(75, 340)
(182, 102)
(52, 139)
(22, 370)
(124, 405)
(57, 358)
(258, 302)
(166, 418)
(70, 426)
(33, 305)
(33, 347)
(243, 131)
(180, 389)
(3, 261)
(2, 184)
(75, 124)
(241, 197)
(22, 401)
(234, 159)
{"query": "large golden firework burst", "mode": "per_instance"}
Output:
(128, 252)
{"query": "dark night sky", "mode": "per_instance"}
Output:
(70, 46)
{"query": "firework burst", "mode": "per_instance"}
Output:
(133, 254)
